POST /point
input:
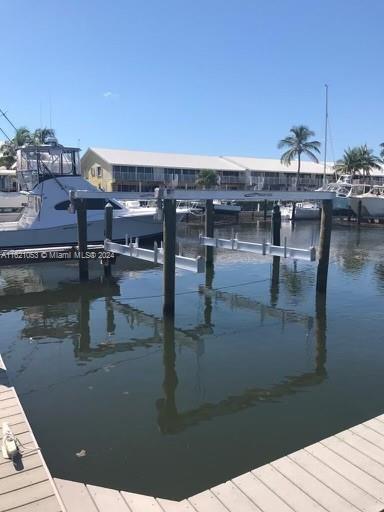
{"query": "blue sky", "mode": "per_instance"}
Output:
(194, 76)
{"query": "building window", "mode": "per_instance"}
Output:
(99, 171)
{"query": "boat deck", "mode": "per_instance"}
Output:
(26, 485)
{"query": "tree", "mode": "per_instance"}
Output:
(40, 135)
(359, 160)
(298, 144)
(22, 137)
(382, 151)
(207, 178)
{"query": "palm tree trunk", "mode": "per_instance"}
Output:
(293, 216)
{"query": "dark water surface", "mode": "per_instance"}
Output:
(254, 368)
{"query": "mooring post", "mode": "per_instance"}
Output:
(169, 238)
(209, 231)
(82, 238)
(276, 225)
(324, 248)
(274, 290)
(108, 233)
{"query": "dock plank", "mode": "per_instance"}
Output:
(175, 506)
(352, 472)
(107, 499)
(206, 501)
(30, 461)
(26, 495)
(75, 496)
(286, 490)
(312, 486)
(370, 435)
(356, 457)
(22, 479)
(49, 504)
(260, 494)
(361, 444)
(337, 483)
(140, 502)
(234, 499)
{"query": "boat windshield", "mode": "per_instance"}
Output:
(38, 163)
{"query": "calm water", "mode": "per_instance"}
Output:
(252, 370)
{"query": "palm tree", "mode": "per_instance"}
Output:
(357, 160)
(207, 178)
(349, 163)
(40, 135)
(298, 144)
(382, 151)
(22, 137)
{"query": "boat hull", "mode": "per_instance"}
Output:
(143, 226)
(371, 206)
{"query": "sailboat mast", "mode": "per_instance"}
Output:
(325, 136)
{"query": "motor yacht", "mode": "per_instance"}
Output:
(372, 203)
(47, 174)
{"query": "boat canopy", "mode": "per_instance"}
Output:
(39, 163)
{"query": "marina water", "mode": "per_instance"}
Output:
(253, 369)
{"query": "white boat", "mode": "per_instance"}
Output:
(47, 174)
(226, 207)
(372, 203)
(303, 211)
(345, 188)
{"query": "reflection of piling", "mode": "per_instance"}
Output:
(321, 332)
(210, 272)
(169, 238)
(111, 326)
(85, 335)
(82, 238)
(359, 206)
(108, 226)
(275, 280)
(265, 209)
(167, 410)
(324, 248)
(209, 230)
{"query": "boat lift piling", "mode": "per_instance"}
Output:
(108, 233)
(81, 212)
(169, 244)
(209, 229)
(324, 246)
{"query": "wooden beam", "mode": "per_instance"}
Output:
(325, 243)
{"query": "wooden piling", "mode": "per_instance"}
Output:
(169, 239)
(209, 230)
(276, 225)
(324, 248)
(108, 233)
(82, 238)
(274, 290)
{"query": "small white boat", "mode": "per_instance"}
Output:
(303, 211)
(226, 207)
(47, 174)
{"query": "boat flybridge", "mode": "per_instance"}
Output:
(46, 175)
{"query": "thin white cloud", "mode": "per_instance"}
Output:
(109, 95)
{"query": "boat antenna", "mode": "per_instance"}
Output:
(7, 118)
(325, 135)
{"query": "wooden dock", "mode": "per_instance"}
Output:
(343, 473)
(26, 485)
